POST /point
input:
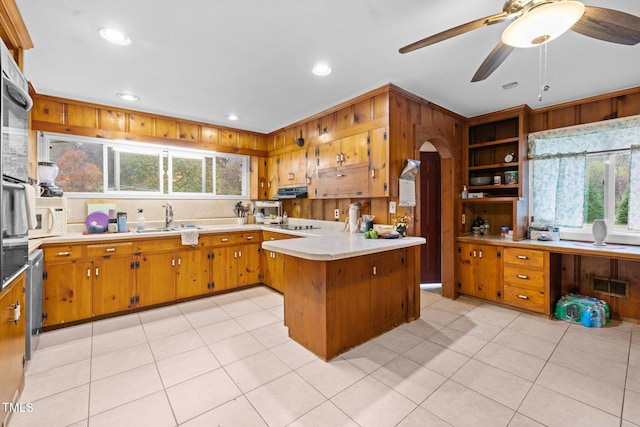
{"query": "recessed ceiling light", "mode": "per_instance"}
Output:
(128, 96)
(114, 36)
(321, 69)
(508, 86)
(232, 117)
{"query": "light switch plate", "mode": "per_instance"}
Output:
(392, 207)
(336, 213)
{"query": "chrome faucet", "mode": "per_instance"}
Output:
(168, 215)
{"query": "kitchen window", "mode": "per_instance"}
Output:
(92, 167)
(588, 172)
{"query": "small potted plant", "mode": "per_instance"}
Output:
(401, 222)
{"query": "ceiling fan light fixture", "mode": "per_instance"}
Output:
(114, 36)
(543, 23)
(127, 96)
(321, 69)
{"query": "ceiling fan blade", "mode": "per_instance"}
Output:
(609, 25)
(493, 61)
(456, 31)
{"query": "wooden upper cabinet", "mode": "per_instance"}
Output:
(228, 138)
(344, 118)
(362, 111)
(188, 132)
(112, 120)
(48, 111)
(355, 149)
(379, 163)
(79, 115)
(166, 128)
(140, 124)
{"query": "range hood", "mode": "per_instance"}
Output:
(291, 193)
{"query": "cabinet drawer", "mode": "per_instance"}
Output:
(249, 237)
(154, 245)
(525, 257)
(271, 235)
(524, 277)
(63, 253)
(223, 239)
(110, 249)
(524, 298)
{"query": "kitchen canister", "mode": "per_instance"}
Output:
(122, 221)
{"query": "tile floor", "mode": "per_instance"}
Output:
(227, 360)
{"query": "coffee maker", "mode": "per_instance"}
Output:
(48, 171)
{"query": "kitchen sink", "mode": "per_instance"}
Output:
(164, 229)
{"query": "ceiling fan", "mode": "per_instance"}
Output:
(536, 22)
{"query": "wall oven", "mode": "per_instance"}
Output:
(15, 104)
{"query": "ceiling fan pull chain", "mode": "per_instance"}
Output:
(540, 73)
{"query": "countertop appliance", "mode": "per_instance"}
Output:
(291, 193)
(34, 301)
(267, 211)
(48, 171)
(15, 104)
(51, 217)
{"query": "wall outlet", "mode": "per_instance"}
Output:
(464, 219)
(336, 213)
(392, 207)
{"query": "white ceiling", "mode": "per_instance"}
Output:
(204, 59)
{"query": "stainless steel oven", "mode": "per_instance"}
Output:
(15, 104)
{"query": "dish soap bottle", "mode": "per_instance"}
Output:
(465, 193)
(140, 220)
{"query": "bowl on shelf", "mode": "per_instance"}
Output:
(480, 180)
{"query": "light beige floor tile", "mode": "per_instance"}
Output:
(235, 348)
(458, 306)
(237, 412)
(633, 379)
(437, 358)
(634, 356)
(158, 314)
(390, 408)
(539, 327)
(258, 291)
(117, 323)
(119, 389)
(284, 400)
(483, 330)
(631, 411)
(153, 410)
(533, 346)
(626, 423)
(330, 378)
(64, 336)
(196, 306)
(466, 344)
(227, 298)
(220, 331)
(520, 420)
(270, 300)
(513, 361)
(327, 414)
(438, 316)
(198, 395)
(53, 357)
(554, 409)
(409, 379)
(119, 361)
(369, 356)
(256, 370)
(635, 336)
(185, 366)
(166, 327)
(257, 320)
(420, 417)
(272, 335)
(59, 410)
(176, 344)
(592, 391)
(428, 298)
(591, 364)
(56, 380)
(450, 399)
(577, 341)
(209, 316)
(117, 340)
(616, 332)
(496, 384)
(398, 340)
(293, 354)
(240, 308)
(420, 328)
(83, 423)
(493, 314)
(277, 311)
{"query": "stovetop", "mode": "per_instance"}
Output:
(296, 227)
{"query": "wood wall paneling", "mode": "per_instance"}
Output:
(140, 124)
(166, 128)
(112, 120)
(78, 115)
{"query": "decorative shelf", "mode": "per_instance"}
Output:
(492, 143)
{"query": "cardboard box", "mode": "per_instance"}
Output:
(478, 195)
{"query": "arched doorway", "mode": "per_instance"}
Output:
(425, 139)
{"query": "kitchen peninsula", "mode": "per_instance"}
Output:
(342, 290)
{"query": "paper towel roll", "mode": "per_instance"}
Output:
(354, 213)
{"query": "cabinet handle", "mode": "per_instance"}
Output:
(235, 254)
(17, 313)
(249, 237)
(522, 257)
(239, 254)
(475, 253)
(522, 276)
(272, 238)
(173, 262)
(339, 175)
(63, 254)
(342, 157)
(110, 250)
(523, 296)
(224, 240)
(179, 260)
(480, 254)
(88, 272)
(97, 271)
(373, 173)
(375, 270)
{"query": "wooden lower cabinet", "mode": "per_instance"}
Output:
(273, 262)
(155, 278)
(243, 265)
(193, 267)
(12, 343)
(67, 291)
(113, 285)
(526, 279)
(480, 271)
(388, 300)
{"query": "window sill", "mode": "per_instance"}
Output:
(586, 236)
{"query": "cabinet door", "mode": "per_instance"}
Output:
(247, 264)
(355, 149)
(379, 160)
(222, 264)
(113, 285)
(259, 178)
(192, 272)
(272, 177)
(388, 290)
(489, 273)
(156, 278)
(12, 339)
(328, 154)
(67, 292)
(273, 270)
(467, 254)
